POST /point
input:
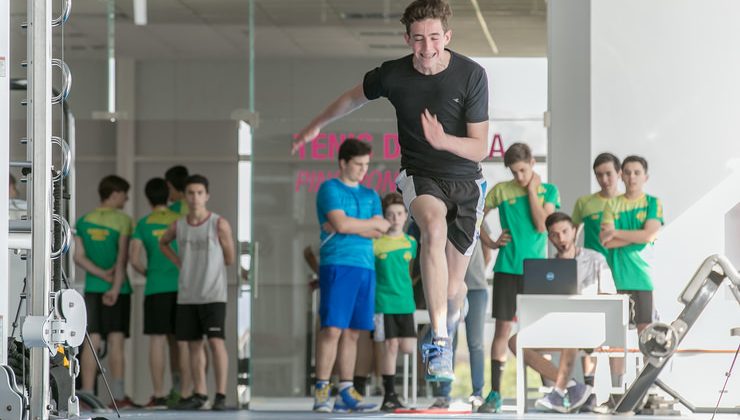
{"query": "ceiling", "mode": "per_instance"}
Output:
(285, 28)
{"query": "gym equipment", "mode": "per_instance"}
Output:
(659, 341)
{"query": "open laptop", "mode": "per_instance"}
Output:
(550, 277)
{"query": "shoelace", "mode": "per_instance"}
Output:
(429, 350)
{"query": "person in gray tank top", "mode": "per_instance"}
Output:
(205, 247)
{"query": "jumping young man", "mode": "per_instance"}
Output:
(441, 103)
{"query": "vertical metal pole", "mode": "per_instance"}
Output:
(39, 197)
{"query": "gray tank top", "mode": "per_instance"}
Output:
(203, 272)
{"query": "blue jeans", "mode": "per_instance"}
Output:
(474, 327)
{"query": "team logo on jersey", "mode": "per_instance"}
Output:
(641, 215)
(595, 216)
(407, 255)
(457, 101)
(382, 256)
(98, 234)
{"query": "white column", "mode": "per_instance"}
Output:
(126, 125)
(569, 98)
(4, 153)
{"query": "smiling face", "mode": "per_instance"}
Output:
(427, 39)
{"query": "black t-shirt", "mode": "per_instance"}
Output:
(457, 95)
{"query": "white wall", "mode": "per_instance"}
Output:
(664, 85)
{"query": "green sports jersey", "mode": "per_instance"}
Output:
(628, 265)
(161, 273)
(394, 293)
(100, 231)
(512, 202)
(180, 207)
(589, 210)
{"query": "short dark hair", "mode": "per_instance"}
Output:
(558, 217)
(110, 184)
(156, 191)
(176, 176)
(517, 152)
(634, 158)
(197, 179)
(353, 148)
(607, 157)
(392, 198)
(426, 9)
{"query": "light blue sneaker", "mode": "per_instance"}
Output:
(437, 357)
(553, 402)
(350, 400)
(577, 396)
(321, 398)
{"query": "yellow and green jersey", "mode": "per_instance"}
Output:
(161, 273)
(394, 293)
(180, 207)
(100, 231)
(512, 202)
(628, 265)
(589, 210)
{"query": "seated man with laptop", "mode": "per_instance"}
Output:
(574, 270)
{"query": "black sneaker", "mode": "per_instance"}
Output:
(193, 402)
(391, 403)
(219, 403)
(589, 405)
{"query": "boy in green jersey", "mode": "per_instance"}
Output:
(523, 204)
(588, 212)
(394, 295)
(101, 247)
(590, 208)
(630, 224)
(160, 293)
(175, 177)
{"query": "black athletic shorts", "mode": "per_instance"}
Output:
(160, 311)
(464, 200)
(195, 321)
(102, 319)
(389, 326)
(505, 289)
(641, 306)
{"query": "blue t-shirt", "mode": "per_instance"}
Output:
(357, 202)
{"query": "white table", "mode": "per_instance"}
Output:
(567, 321)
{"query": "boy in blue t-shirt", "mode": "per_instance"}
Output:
(350, 216)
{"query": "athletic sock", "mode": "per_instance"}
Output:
(344, 384)
(497, 368)
(360, 384)
(588, 380)
(116, 387)
(389, 384)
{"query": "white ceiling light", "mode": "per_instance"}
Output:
(140, 12)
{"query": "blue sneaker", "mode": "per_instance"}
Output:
(492, 404)
(553, 402)
(321, 398)
(437, 357)
(351, 400)
(577, 396)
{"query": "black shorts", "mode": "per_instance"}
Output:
(389, 326)
(505, 289)
(195, 321)
(160, 310)
(102, 319)
(464, 200)
(641, 306)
